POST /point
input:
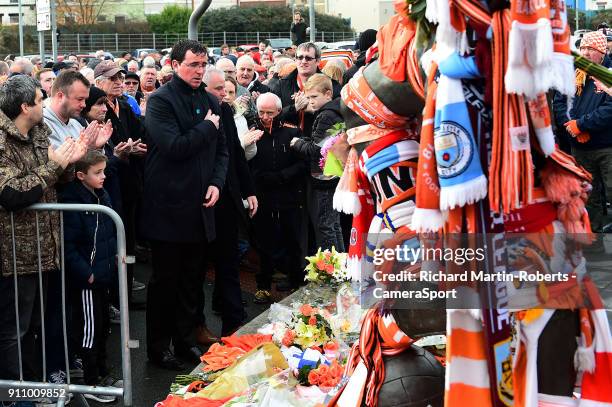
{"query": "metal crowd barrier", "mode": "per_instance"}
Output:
(126, 342)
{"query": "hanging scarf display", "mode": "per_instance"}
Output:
(427, 215)
(461, 178)
(561, 74)
(360, 98)
(392, 42)
(540, 117)
(597, 375)
(465, 352)
(380, 335)
(450, 32)
(511, 168)
(530, 48)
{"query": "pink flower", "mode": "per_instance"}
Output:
(306, 310)
(312, 320)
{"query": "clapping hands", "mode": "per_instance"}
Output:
(301, 101)
(69, 152)
(125, 148)
(252, 136)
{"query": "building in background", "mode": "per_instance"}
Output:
(597, 4)
(9, 12)
(258, 3)
(363, 14)
(321, 6)
(156, 6)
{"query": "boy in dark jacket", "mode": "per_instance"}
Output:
(91, 266)
(325, 219)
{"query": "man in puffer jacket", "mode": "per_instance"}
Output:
(91, 265)
(321, 188)
(588, 128)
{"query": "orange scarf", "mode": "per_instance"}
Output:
(530, 48)
(427, 216)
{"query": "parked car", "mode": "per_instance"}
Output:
(342, 45)
(279, 43)
(136, 53)
(248, 47)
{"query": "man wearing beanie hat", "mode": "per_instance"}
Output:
(365, 41)
(587, 128)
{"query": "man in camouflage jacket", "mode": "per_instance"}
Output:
(29, 169)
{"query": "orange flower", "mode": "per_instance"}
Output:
(336, 370)
(306, 310)
(329, 268)
(331, 346)
(320, 264)
(313, 378)
(288, 338)
(312, 320)
(323, 370)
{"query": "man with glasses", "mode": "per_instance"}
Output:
(127, 127)
(131, 92)
(291, 89)
(184, 173)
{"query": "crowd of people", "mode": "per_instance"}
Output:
(201, 160)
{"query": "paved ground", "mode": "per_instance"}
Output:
(151, 384)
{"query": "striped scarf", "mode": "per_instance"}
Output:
(427, 215)
(530, 48)
(466, 352)
(380, 335)
(511, 168)
(459, 171)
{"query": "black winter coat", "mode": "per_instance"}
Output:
(593, 112)
(298, 32)
(308, 147)
(238, 182)
(186, 154)
(279, 173)
(83, 230)
(126, 126)
(288, 87)
(114, 169)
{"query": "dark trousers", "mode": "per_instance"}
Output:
(29, 325)
(599, 164)
(90, 325)
(279, 231)
(173, 294)
(227, 296)
(325, 219)
(54, 324)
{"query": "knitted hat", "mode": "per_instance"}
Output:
(596, 40)
(94, 95)
(366, 39)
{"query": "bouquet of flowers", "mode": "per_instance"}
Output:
(328, 267)
(329, 163)
(307, 329)
(325, 376)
